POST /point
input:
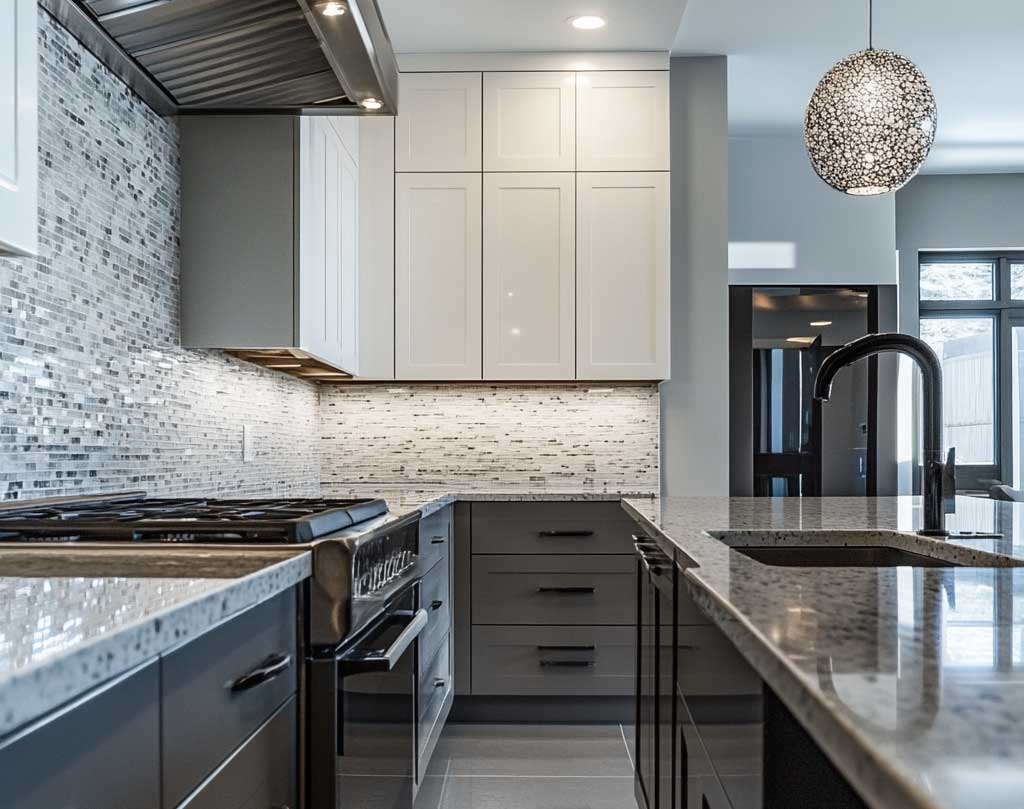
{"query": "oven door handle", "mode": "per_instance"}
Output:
(387, 660)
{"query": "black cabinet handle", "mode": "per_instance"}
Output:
(566, 533)
(566, 590)
(267, 670)
(437, 540)
(436, 604)
(439, 683)
(568, 664)
(568, 648)
(687, 647)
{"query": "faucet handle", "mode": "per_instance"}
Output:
(949, 482)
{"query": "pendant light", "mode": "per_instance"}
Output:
(871, 121)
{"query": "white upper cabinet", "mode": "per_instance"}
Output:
(529, 121)
(623, 121)
(18, 128)
(529, 276)
(438, 276)
(328, 242)
(438, 127)
(622, 275)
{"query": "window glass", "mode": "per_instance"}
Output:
(965, 347)
(1017, 281)
(946, 281)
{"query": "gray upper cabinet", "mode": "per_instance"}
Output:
(270, 235)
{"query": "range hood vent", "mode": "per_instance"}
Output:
(217, 56)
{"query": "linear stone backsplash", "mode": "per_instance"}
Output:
(547, 438)
(95, 393)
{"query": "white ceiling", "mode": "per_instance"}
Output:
(529, 25)
(970, 51)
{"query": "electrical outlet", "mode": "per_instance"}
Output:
(248, 443)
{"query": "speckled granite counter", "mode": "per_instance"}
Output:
(910, 679)
(60, 636)
(402, 501)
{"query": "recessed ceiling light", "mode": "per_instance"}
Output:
(821, 322)
(588, 22)
(333, 8)
(371, 103)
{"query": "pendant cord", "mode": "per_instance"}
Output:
(871, 25)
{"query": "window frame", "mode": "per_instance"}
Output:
(1006, 313)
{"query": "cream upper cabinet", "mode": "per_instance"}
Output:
(18, 128)
(622, 275)
(622, 121)
(328, 242)
(438, 127)
(529, 276)
(529, 121)
(438, 276)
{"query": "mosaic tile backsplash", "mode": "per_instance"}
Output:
(95, 393)
(542, 438)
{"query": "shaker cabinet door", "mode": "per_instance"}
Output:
(328, 265)
(438, 276)
(439, 125)
(623, 121)
(18, 128)
(530, 121)
(622, 275)
(529, 276)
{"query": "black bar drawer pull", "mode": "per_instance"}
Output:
(567, 664)
(439, 682)
(566, 533)
(567, 590)
(436, 604)
(568, 648)
(437, 540)
(267, 670)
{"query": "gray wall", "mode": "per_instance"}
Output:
(694, 410)
(775, 196)
(954, 212)
(96, 393)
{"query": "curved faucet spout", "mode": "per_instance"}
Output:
(931, 389)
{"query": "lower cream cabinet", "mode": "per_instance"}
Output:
(529, 276)
(623, 263)
(438, 276)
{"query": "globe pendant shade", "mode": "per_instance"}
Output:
(870, 123)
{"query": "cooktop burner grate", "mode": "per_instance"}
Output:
(286, 520)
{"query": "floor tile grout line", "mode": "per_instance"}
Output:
(629, 755)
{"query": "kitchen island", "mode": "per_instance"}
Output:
(910, 680)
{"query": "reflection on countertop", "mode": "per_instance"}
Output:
(911, 680)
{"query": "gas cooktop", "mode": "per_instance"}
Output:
(134, 517)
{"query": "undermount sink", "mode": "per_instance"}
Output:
(851, 548)
(826, 556)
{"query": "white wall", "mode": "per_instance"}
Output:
(694, 404)
(816, 235)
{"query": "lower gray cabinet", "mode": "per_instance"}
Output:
(261, 774)
(100, 752)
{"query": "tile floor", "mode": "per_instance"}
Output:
(478, 766)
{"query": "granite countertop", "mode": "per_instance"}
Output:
(404, 500)
(910, 679)
(62, 635)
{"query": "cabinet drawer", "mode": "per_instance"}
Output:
(435, 599)
(551, 527)
(436, 536)
(207, 710)
(709, 665)
(101, 751)
(435, 678)
(261, 773)
(553, 660)
(554, 590)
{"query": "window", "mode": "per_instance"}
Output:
(972, 314)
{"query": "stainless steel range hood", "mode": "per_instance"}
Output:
(205, 56)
